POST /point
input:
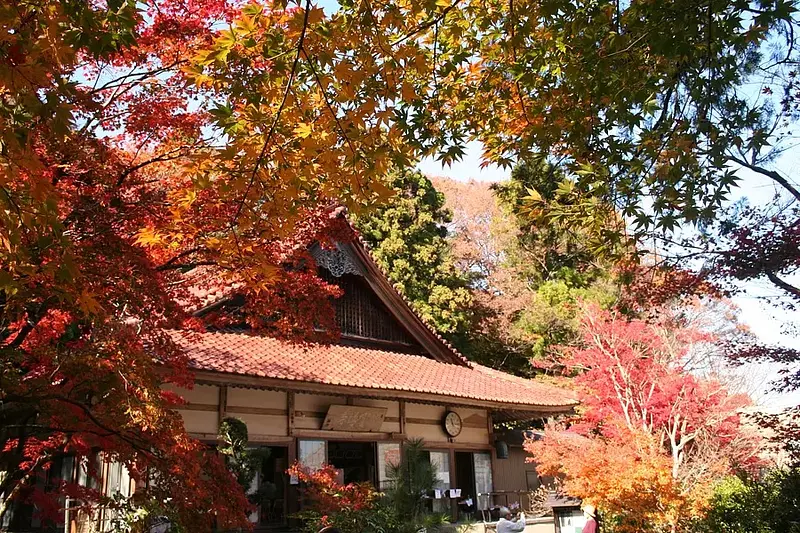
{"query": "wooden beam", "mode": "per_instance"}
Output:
(360, 436)
(458, 446)
(290, 412)
(252, 437)
(238, 380)
(210, 407)
(241, 409)
(438, 422)
(321, 414)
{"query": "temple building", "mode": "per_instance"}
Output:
(389, 378)
(351, 404)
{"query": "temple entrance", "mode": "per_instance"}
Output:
(465, 480)
(271, 485)
(354, 460)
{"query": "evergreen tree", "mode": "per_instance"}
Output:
(556, 264)
(408, 238)
(412, 481)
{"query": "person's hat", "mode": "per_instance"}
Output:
(590, 510)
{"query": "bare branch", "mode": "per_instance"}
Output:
(773, 175)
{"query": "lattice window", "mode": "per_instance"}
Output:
(360, 313)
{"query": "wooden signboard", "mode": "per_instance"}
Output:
(354, 418)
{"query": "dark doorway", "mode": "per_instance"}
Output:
(465, 480)
(272, 485)
(356, 460)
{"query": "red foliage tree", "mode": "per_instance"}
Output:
(331, 503)
(107, 164)
(640, 403)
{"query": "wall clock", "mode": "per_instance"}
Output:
(452, 423)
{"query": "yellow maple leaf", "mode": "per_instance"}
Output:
(303, 130)
(88, 304)
(149, 237)
(315, 15)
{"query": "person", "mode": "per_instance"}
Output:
(509, 524)
(590, 513)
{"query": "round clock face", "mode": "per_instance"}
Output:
(452, 424)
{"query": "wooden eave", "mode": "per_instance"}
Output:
(206, 377)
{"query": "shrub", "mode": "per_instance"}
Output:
(347, 507)
(359, 508)
(766, 505)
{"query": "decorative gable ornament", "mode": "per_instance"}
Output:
(337, 261)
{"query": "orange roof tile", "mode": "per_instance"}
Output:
(367, 368)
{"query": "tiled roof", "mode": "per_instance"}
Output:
(351, 366)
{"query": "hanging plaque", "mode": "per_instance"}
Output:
(354, 418)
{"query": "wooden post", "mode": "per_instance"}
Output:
(493, 453)
(453, 481)
(222, 404)
(402, 417)
(290, 413)
(291, 503)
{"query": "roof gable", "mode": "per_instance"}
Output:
(353, 257)
(350, 258)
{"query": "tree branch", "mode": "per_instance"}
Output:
(167, 156)
(427, 24)
(274, 124)
(773, 175)
(791, 289)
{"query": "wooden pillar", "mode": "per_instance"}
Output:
(222, 404)
(290, 413)
(453, 481)
(291, 506)
(493, 452)
(402, 417)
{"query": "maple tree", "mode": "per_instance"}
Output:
(359, 508)
(116, 182)
(660, 436)
(328, 502)
(144, 141)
